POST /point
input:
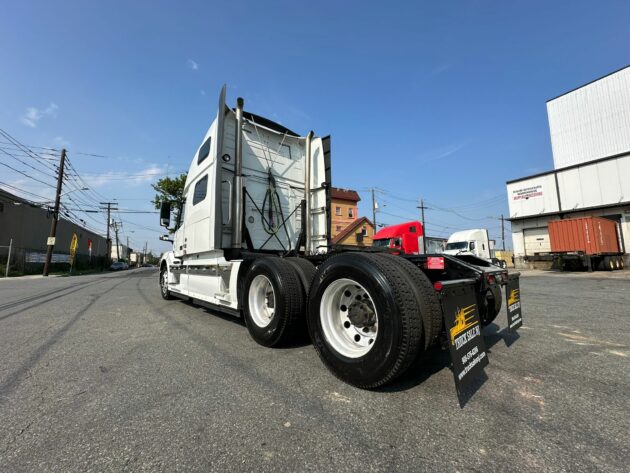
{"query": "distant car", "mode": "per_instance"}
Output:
(118, 266)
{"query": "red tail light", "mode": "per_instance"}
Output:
(491, 279)
(437, 285)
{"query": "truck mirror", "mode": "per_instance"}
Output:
(165, 214)
(166, 238)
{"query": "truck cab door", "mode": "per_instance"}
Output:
(179, 248)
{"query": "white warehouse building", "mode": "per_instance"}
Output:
(590, 140)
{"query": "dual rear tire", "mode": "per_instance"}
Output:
(611, 263)
(274, 300)
(369, 316)
(366, 317)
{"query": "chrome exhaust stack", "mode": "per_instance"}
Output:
(237, 190)
(307, 193)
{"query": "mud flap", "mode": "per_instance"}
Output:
(513, 302)
(463, 331)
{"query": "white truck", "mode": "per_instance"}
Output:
(253, 239)
(473, 242)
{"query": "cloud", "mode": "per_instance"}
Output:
(125, 179)
(60, 141)
(440, 68)
(193, 65)
(441, 153)
(33, 115)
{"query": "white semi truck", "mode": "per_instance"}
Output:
(473, 242)
(252, 238)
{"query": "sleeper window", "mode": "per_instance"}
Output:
(204, 151)
(201, 189)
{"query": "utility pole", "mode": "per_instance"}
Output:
(6, 271)
(117, 244)
(374, 211)
(503, 232)
(53, 225)
(424, 228)
(109, 241)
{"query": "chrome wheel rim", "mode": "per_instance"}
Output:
(348, 318)
(262, 301)
(164, 282)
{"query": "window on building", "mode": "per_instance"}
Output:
(337, 210)
(351, 212)
(364, 231)
(204, 151)
(338, 228)
(201, 189)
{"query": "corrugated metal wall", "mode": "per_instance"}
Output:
(589, 185)
(591, 122)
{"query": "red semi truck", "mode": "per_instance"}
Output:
(586, 242)
(406, 237)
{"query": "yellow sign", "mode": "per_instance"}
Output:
(73, 246)
(463, 321)
(514, 297)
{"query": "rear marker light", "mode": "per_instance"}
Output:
(491, 279)
(435, 262)
(437, 286)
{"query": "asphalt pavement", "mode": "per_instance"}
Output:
(98, 373)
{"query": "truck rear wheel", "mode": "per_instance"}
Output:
(426, 298)
(363, 319)
(609, 263)
(273, 302)
(617, 263)
(621, 262)
(305, 270)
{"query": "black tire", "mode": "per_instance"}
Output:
(490, 305)
(399, 337)
(609, 263)
(621, 262)
(305, 270)
(617, 263)
(289, 303)
(426, 298)
(166, 294)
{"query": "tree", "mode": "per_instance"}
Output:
(170, 190)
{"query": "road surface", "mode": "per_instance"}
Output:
(98, 373)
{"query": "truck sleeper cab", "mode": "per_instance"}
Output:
(253, 239)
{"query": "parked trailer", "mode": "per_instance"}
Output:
(586, 242)
(253, 239)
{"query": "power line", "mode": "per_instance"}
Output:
(26, 175)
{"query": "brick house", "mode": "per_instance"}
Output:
(343, 209)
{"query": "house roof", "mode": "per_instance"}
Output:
(351, 228)
(345, 194)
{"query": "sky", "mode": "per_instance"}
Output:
(442, 101)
